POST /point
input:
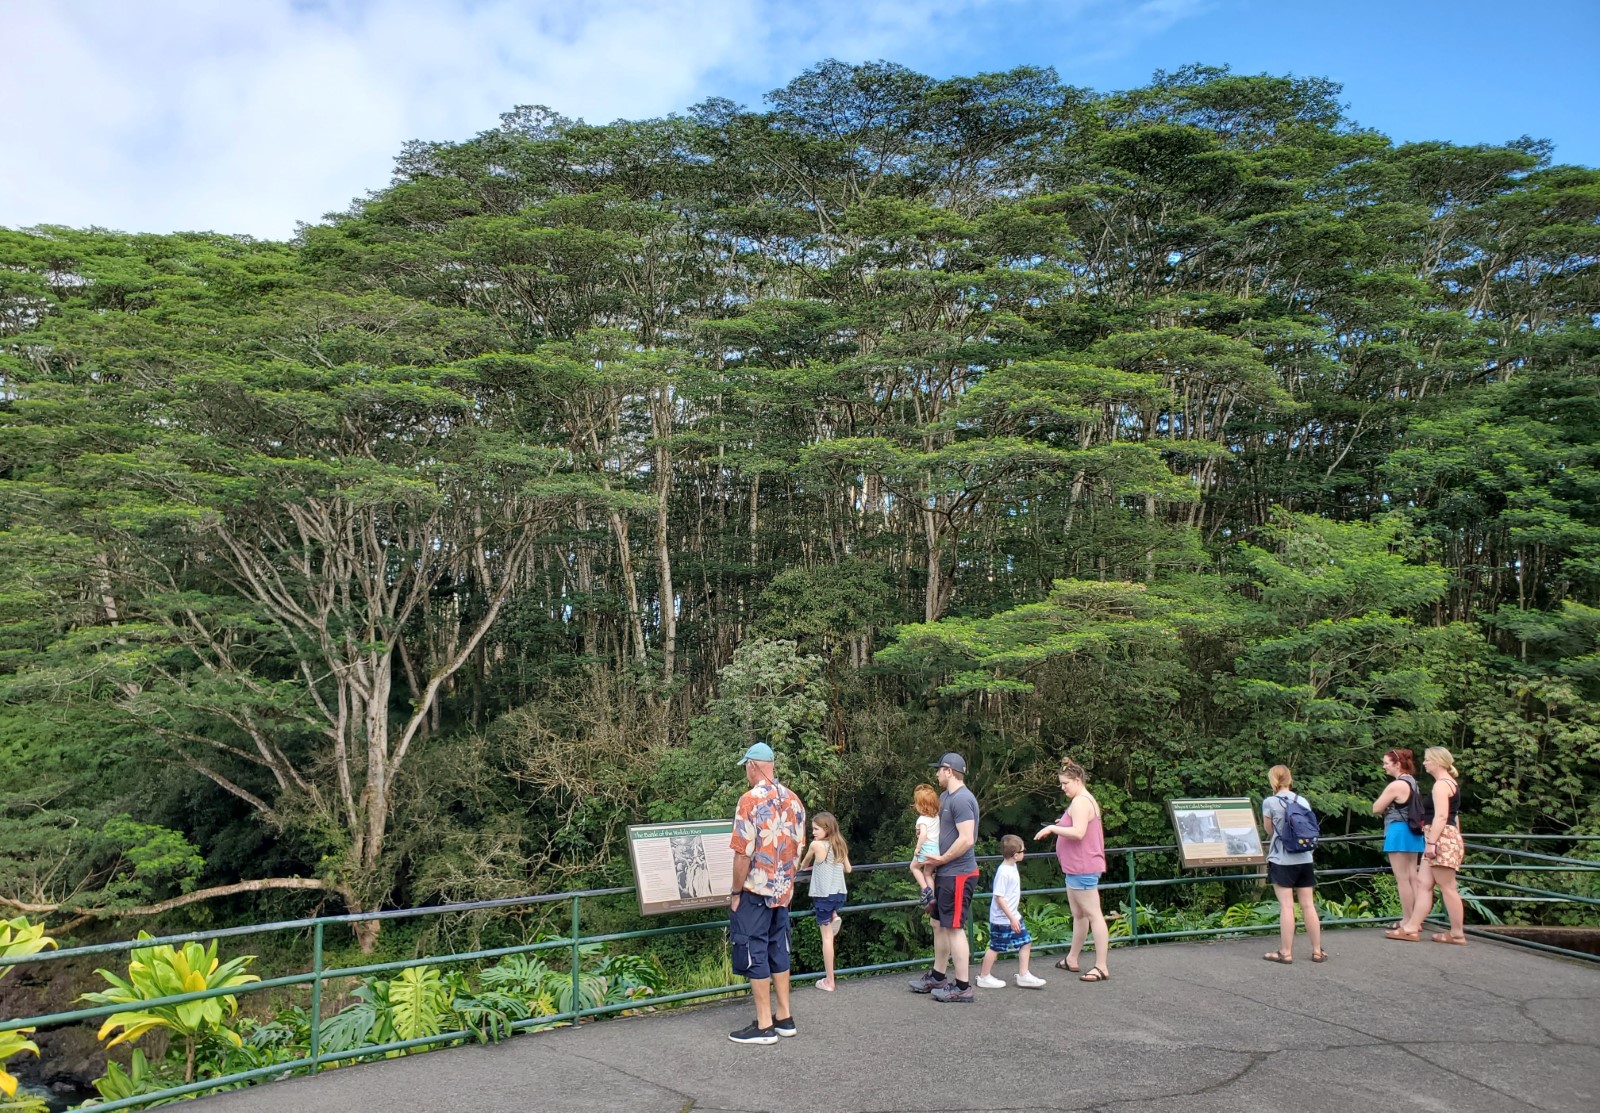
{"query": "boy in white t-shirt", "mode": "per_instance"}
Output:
(1007, 932)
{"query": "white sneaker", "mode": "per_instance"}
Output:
(984, 981)
(1030, 981)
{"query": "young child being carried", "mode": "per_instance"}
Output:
(1007, 932)
(926, 801)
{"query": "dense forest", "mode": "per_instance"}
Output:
(1184, 429)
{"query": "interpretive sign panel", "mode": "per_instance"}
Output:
(1217, 832)
(679, 866)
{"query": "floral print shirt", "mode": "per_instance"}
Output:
(769, 828)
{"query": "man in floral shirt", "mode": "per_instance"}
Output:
(769, 832)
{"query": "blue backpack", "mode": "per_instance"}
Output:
(1299, 831)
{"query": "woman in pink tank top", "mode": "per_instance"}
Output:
(1081, 850)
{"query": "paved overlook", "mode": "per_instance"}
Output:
(1180, 1028)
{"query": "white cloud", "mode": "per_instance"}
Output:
(249, 117)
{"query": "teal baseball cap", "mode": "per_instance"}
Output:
(759, 752)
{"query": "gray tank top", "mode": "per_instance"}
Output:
(1396, 811)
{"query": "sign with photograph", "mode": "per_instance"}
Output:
(680, 866)
(1217, 832)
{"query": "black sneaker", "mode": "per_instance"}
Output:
(927, 982)
(785, 1027)
(752, 1033)
(949, 993)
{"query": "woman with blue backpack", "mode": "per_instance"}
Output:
(1294, 831)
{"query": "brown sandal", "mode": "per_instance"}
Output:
(1446, 937)
(1319, 956)
(1095, 974)
(1403, 936)
(1063, 964)
(1278, 956)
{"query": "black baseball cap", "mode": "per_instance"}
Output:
(954, 761)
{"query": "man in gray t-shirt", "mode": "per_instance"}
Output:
(956, 882)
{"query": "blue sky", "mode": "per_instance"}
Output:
(248, 117)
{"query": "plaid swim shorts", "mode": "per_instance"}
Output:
(1004, 941)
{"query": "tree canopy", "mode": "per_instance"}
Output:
(1187, 429)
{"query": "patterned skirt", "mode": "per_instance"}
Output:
(1451, 851)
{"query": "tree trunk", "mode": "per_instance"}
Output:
(661, 419)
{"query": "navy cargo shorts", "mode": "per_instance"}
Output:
(760, 936)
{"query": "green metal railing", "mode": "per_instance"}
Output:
(575, 941)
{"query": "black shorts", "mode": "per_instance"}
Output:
(953, 899)
(1300, 876)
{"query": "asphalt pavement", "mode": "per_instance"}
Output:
(1179, 1028)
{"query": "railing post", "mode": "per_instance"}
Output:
(316, 995)
(576, 960)
(972, 932)
(1133, 901)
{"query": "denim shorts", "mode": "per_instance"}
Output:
(825, 908)
(1083, 880)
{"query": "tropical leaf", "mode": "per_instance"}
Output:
(12, 1043)
(349, 1028)
(419, 1002)
(490, 1014)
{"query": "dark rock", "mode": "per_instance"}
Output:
(69, 1055)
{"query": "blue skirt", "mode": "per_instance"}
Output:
(1397, 838)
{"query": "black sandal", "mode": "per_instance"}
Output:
(1095, 974)
(1063, 964)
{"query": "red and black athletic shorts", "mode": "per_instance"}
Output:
(953, 899)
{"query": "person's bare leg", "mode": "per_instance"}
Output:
(1404, 866)
(1097, 926)
(1285, 920)
(827, 947)
(988, 963)
(960, 954)
(1308, 912)
(780, 986)
(1453, 907)
(1421, 897)
(941, 949)
(1080, 927)
(761, 990)
(1022, 960)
